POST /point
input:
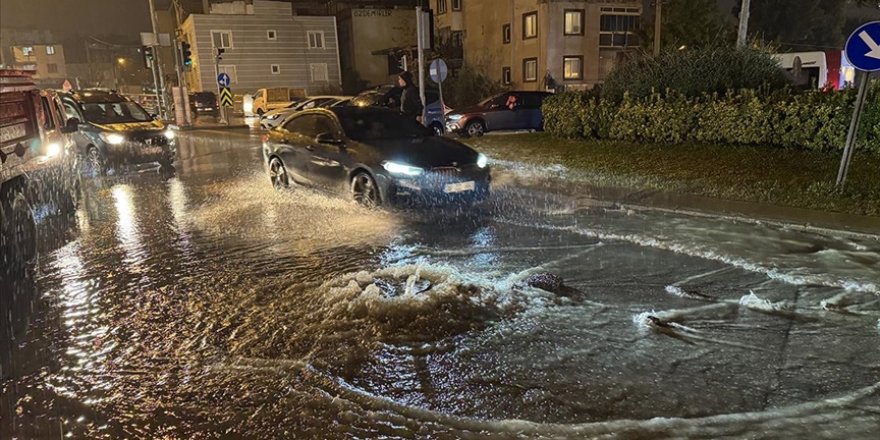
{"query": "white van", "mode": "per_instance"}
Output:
(274, 98)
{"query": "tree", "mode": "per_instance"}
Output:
(802, 24)
(689, 23)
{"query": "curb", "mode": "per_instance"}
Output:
(214, 127)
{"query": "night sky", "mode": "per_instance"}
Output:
(71, 21)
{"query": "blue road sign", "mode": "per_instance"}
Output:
(438, 70)
(223, 80)
(863, 47)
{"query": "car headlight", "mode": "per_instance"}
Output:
(113, 138)
(454, 118)
(482, 160)
(403, 169)
(53, 149)
(170, 134)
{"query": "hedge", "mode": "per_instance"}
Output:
(695, 72)
(813, 120)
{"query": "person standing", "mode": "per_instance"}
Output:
(410, 101)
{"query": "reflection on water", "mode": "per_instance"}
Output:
(208, 305)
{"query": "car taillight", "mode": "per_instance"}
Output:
(264, 138)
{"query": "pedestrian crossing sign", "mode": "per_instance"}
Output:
(225, 97)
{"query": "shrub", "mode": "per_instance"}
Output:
(694, 73)
(815, 120)
(469, 87)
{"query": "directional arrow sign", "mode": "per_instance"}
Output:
(226, 97)
(863, 47)
(223, 79)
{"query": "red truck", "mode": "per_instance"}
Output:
(37, 166)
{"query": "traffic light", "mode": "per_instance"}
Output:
(186, 55)
(147, 52)
(220, 52)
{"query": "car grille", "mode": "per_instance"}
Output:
(151, 140)
(445, 172)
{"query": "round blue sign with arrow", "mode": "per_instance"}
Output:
(223, 80)
(863, 47)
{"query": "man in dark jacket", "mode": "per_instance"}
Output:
(410, 101)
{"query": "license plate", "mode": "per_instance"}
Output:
(12, 133)
(459, 187)
(149, 151)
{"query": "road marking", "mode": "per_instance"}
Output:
(875, 48)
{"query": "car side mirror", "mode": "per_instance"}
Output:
(327, 138)
(72, 126)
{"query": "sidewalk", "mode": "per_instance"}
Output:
(211, 123)
(789, 186)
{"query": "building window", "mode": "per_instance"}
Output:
(271, 35)
(316, 39)
(27, 51)
(574, 22)
(52, 68)
(318, 72)
(276, 69)
(50, 50)
(456, 5)
(222, 39)
(457, 38)
(530, 25)
(530, 70)
(229, 70)
(506, 76)
(573, 67)
(505, 33)
(441, 6)
(618, 30)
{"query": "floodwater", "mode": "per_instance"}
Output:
(202, 304)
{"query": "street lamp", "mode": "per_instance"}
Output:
(121, 61)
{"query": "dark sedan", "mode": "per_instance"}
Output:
(376, 155)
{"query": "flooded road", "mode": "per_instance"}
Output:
(202, 304)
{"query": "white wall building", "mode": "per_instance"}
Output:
(265, 46)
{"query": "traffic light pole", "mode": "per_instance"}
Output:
(223, 119)
(160, 91)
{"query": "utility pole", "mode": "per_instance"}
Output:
(658, 21)
(156, 64)
(744, 13)
(420, 33)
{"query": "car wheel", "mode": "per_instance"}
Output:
(18, 242)
(95, 161)
(475, 129)
(364, 190)
(278, 174)
(438, 129)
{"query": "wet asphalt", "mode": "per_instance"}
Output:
(201, 303)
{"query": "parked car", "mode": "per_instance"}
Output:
(506, 111)
(275, 117)
(376, 155)
(114, 130)
(389, 96)
(203, 103)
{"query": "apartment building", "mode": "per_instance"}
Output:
(265, 46)
(533, 44)
(367, 36)
(46, 59)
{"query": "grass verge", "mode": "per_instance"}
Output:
(782, 177)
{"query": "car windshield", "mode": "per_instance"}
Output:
(365, 126)
(494, 100)
(115, 112)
